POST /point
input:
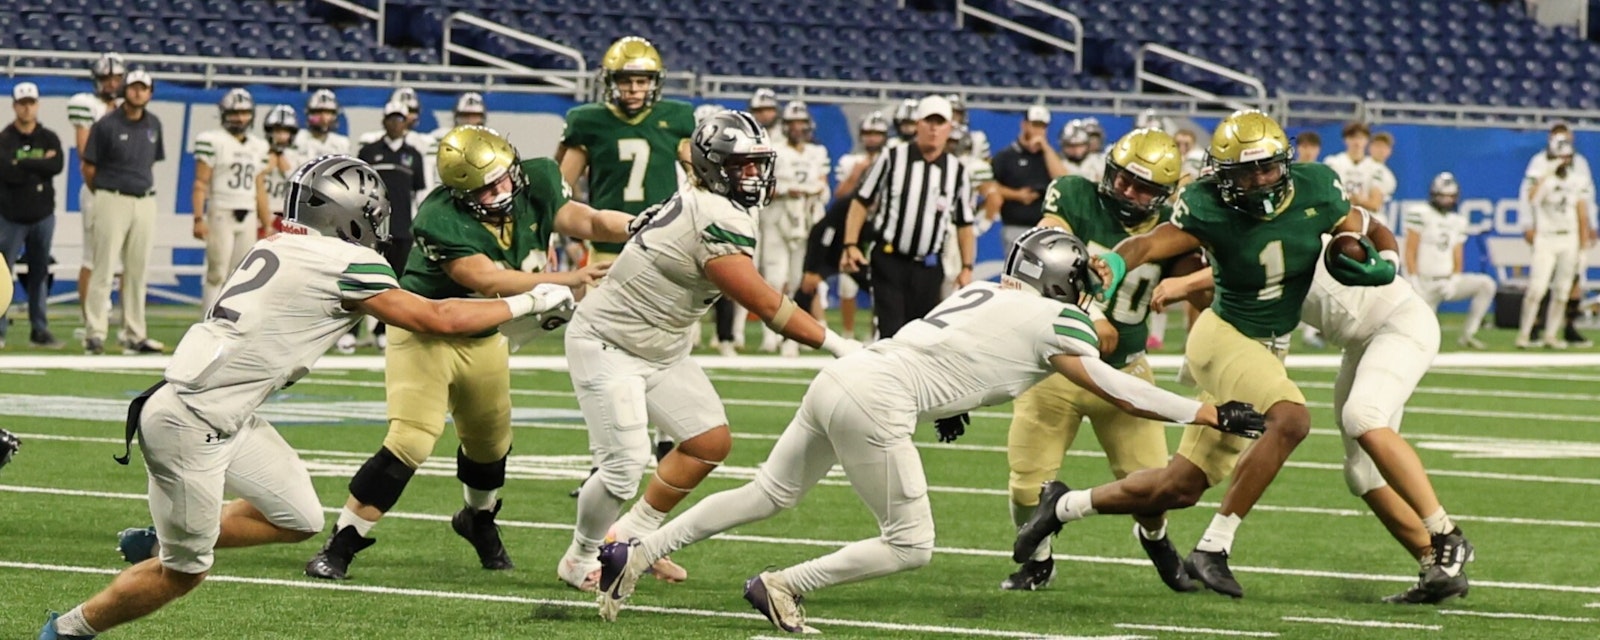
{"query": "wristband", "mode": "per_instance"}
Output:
(1390, 255)
(520, 304)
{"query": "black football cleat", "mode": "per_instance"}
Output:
(333, 561)
(1424, 592)
(478, 528)
(1042, 524)
(1211, 569)
(1032, 576)
(1168, 564)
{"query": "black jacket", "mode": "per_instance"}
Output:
(27, 189)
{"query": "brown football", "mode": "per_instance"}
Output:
(1348, 244)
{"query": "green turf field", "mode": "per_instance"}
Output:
(1512, 453)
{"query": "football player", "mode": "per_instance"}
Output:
(905, 125)
(764, 108)
(320, 137)
(227, 215)
(281, 124)
(1261, 221)
(83, 110)
(1389, 336)
(1142, 172)
(1558, 191)
(486, 233)
(628, 345)
(469, 110)
(981, 347)
(199, 430)
(1435, 234)
(823, 244)
(630, 144)
(1075, 153)
(801, 172)
(428, 145)
(977, 142)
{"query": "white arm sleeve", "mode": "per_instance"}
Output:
(1141, 394)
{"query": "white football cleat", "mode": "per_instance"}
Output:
(726, 350)
(346, 344)
(621, 566)
(770, 594)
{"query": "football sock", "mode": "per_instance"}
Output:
(1153, 535)
(1439, 524)
(73, 624)
(1219, 536)
(1158, 326)
(348, 518)
(1074, 506)
(479, 499)
(597, 510)
(718, 512)
(638, 522)
(1019, 516)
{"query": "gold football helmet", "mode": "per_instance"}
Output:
(632, 56)
(1250, 156)
(1146, 160)
(473, 159)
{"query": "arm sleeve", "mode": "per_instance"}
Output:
(79, 113)
(1141, 394)
(366, 276)
(876, 177)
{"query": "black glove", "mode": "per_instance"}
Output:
(1240, 419)
(952, 427)
(9, 444)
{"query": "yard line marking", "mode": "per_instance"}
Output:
(1141, 562)
(1207, 631)
(586, 603)
(1483, 393)
(1526, 375)
(1364, 623)
(23, 372)
(1514, 616)
(1593, 605)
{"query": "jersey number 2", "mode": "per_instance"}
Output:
(637, 151)
(973, 297)
(268, 269)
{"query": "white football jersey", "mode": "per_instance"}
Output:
(234, 164)
(1555, 205)
(1358, 177)
(277, 314)
(1440, 233)
(278, 181)
(982, 346)
(1383, 178)
(657, 291)
(83, 109)
(308, 147)
(1350, 315)
(804, 169)
(846, 164)
(428, 145)
(1092, 167)
(980, 144)
(1194, 163)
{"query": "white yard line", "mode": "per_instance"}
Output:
(1514, 616)
(586, 603)
(1141, 563)
(1512, 373)
(1204, 630)
(1379, 624)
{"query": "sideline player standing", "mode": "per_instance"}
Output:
(227, 216)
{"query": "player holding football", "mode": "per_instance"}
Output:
(628, 345)
(1261, 220)
(296, 293)
(486, 234)
(978, 348)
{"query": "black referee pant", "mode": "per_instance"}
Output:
(903, 289)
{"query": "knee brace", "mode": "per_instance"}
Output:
(483, 476)
(381, 480)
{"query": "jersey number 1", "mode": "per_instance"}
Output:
(1272, 262)
(269, 267)
(637, 151)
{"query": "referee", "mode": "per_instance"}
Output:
(919, 190)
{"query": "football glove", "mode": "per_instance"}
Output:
(952, 427)
(1240, 419)
(1374, 272)
(553, 307)
(9, 445)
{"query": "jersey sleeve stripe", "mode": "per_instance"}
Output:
(1069, 312)
(370, 269)
(719, 234)
(1077, 334)
(1075, 324)
(358, 285)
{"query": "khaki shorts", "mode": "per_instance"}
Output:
(426, 376)
(1229, 365)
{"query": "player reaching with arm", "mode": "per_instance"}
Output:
(294, 295)
(484, 234)
(1261, 220)
(629, 343)
(980, 347)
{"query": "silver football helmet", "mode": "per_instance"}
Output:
(705, 111)
(322, 100)
(408, 97)
(1051, 261)
(763, 98)
(280, 117)
(797, 113)
(338, 197)
(1444, 192)
(875, 123)
(722, 149)
(104, 71)
(470, 104)
(237, 101)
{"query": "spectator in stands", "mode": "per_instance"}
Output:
(1380, 149)
(1022, 172)
(1307, 146)
(123, 148)
(30, 159)
(1559, 193)
(915, 191)
(1356, 169)
(1540, 165)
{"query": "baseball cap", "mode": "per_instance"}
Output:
(395, 108)
(934, 105)
(25, 91)
(1038, 114)
(138, 76)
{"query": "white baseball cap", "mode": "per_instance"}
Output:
(1038, 114)
(138, 76)
(25, 91)
(395, 108)
(934, 105)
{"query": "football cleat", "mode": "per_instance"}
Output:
(1470, 342)
(580, 574)
(1042, 524)
(621, 565)
(1445, 574)
(663, 568)
(1168, 564)
(478, 528)
(1033, 575)
(346, 344)
(1575, 339)
(94, 346)
(770, 594)
(137, 544)
(1424, 593)
(1211, 569)
(48, 632)
(333, 561)
(142, 347)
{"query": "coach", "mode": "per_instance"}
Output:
(915, 191)
(123, 147)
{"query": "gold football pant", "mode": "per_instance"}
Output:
(1229, 365)
(1045, 420)
(427, 376)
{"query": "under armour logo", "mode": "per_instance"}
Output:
(212, 437)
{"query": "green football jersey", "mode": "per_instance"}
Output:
(444, 231)
(1077, 201)
(1263, 268)
(633, 164)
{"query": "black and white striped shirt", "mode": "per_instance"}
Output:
(917, 200)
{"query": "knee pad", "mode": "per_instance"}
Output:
(1362, 476)
(1356, 418)
(408, 442)
(780, 497)
(483, 476)
(621, 471)
(381, 480)
(912, 557)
